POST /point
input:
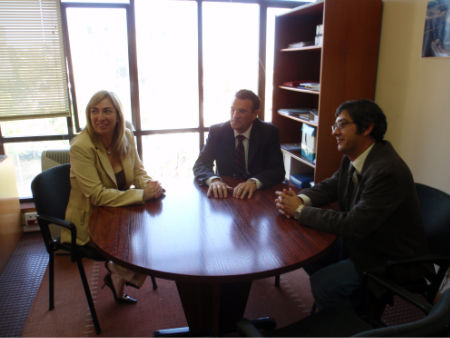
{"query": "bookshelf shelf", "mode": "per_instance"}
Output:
(300, 120)
(301, 49)
(300, 90)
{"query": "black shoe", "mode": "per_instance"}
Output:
(124, 299)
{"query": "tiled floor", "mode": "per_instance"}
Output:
(19, 283)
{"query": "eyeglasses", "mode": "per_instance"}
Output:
(340, 125)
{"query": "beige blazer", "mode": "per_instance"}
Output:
(93, 182)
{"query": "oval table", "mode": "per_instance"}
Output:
(211, 248)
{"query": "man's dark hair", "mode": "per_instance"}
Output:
(364, 113)
(245, 94)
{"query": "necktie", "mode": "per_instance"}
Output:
(354, 178)
(239, 158)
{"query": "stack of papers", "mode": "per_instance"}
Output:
(309, 85)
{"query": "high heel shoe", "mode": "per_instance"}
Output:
(124, 299)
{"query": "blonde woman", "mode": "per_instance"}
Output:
(106, 171)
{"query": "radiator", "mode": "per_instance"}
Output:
(53, 158)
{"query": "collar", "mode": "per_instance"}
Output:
(245, 133)
(359, 162)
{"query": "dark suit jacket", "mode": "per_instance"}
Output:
(265, 161)
(383, 223)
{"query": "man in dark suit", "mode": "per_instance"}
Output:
(378, 218)
(258, 160)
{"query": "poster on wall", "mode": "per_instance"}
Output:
(436, 36)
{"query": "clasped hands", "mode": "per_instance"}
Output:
(287, 202)
(219, 189)
(152, 189)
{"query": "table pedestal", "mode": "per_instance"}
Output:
(210, 308)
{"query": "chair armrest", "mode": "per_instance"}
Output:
(64, 224)
(57, 221)
(401, 292)
(421, 259)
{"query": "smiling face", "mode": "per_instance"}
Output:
(349, 141)
(242, 115)
(104, 119)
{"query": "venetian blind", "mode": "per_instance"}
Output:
(33, 81)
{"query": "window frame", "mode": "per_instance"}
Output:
(73, 126)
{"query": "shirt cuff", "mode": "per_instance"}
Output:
(209, 180)
(298, 211)
(258, 182)
(306, 200)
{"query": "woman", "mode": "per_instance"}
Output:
(106, 171)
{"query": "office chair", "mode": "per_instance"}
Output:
(435, 209)
(344, 321)
(51, 190)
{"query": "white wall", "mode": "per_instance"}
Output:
(414, 93)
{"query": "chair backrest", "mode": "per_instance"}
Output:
(51, 190)
(435, 208)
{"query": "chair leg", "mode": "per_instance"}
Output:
(88, 296)
(51, 279)
(277, 281)
(154, 283)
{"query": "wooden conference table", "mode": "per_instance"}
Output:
(211, 248)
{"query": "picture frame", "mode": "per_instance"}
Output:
(436, 36)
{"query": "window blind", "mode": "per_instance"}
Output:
(33, 81)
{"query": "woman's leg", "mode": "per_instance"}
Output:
(128, 275)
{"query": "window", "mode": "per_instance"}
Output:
(33, 81)
(167, 56)
(190, 56)
(230, 45)
(27, 161)
(99, 53)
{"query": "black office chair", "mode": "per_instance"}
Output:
(51, 190)
(435, 209)
(344, 321)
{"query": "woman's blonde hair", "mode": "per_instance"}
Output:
(119, 141)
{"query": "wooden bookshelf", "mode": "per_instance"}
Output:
(344, 64)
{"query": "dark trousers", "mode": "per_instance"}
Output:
(334, 278)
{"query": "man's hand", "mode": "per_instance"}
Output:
(245, 188)
(218, 189)
(287, 202)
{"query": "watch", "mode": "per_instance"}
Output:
(298, 212)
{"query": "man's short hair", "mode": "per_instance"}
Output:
(245, 94)
(364, 113)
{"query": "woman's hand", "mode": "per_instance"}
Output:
(152, 190)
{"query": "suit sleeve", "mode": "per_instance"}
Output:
(272, 171)
(380, 197)
(203, 166)
(85, 166)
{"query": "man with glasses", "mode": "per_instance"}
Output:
(378, 218)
